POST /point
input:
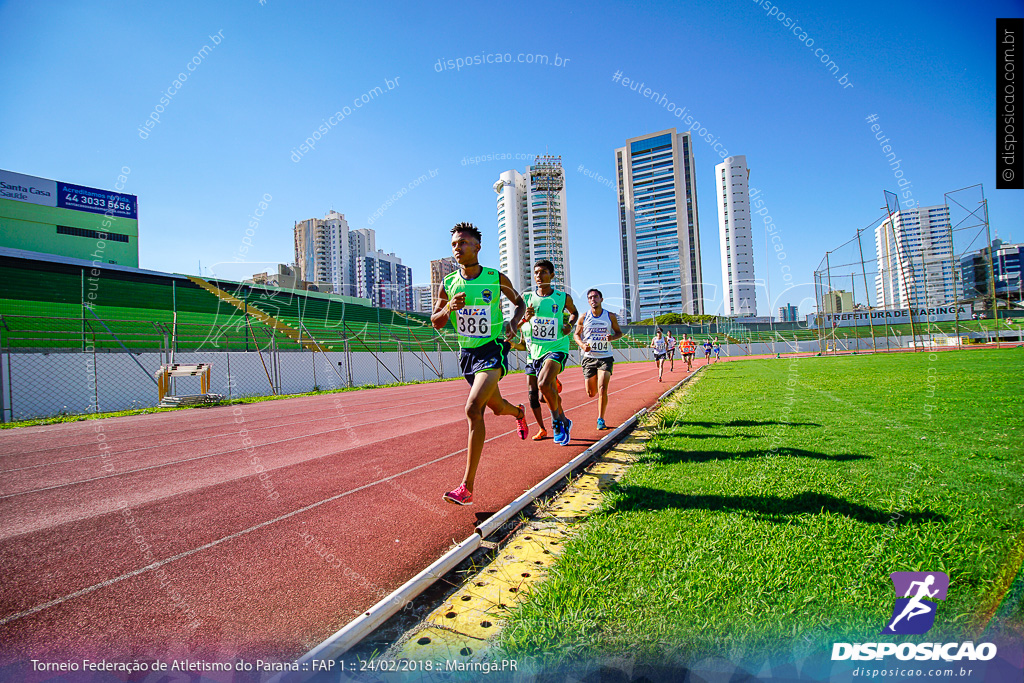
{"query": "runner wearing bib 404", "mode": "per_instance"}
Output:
(594, 335)
(470, 299)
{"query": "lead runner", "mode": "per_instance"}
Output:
(472, 294)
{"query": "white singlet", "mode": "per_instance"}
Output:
(596, 331)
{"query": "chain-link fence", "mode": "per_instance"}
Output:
(99, 373)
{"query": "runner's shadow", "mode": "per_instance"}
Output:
(771, 508)
(718, 436)
(747, 423)
(671, 456)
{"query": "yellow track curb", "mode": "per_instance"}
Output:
(467, 624)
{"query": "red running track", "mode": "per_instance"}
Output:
(154, 537)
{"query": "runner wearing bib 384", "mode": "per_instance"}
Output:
(548, 344)
(470, 299)
(594, 334)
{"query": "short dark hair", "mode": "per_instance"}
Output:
(595, 289)
(468, 228)
(544, 263)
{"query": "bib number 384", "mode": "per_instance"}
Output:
(474, 321)
(543, 329)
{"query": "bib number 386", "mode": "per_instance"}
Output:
(474, 321)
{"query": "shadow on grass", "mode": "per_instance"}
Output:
(671, 456)
(677, 435)
(772, 508)
(744, 423)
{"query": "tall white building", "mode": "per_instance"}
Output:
(658, 226)
(735, 238)
(322, 251)
(532, 224)
(421, 299)
(915, 259)
(347, 262)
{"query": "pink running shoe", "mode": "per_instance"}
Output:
(521, 423)
(460, 496)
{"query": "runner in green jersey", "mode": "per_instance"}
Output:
(470, 298)
(545, 337)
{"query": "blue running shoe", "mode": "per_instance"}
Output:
(557, 431)
(566, 426)
(601, 424)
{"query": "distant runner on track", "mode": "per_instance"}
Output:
(689, 349)
(707, 350)
(547, 341)
(594, 335)
(718, 351)
(660, 351)
(471, 298)
(670, 343)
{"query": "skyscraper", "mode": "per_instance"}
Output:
(658, 226)
(532, 223)
(421, 302)
(914, 251)
(383, 280)
(1007, 260)
(737, 242)
(346, 262)
(439, 268)
(322, 252)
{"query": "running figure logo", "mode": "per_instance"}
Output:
(916, 593)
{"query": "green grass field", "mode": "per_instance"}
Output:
(777, 498)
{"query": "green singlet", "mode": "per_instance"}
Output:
(543, 333)
(479, 320)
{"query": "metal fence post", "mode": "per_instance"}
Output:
(3, 407)
(227, 360)
(401, 362)
(348, 364)
(316, 387)
(95, 376)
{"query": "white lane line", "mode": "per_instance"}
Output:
(238, 534)
(212, 422)
(163, 446)
(303, 437)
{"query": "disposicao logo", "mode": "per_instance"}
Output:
(913, 613)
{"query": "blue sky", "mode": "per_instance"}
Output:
(80, 79)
